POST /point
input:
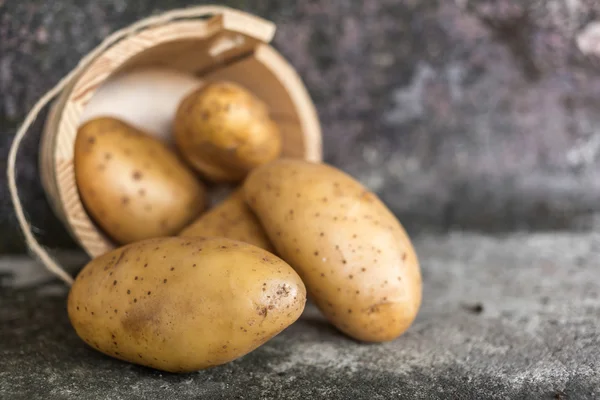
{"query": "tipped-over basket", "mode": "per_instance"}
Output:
(211, 42)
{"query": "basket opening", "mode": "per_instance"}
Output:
(227, 47)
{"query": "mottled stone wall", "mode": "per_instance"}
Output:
(469, 114)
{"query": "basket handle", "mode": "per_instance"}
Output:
(32, 243)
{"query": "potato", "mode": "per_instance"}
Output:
(224, 131)
(184, 304)
(132, 185)
(231, 219)
(355, 258)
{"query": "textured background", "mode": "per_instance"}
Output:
(470, 114)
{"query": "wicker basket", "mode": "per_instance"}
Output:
(212, 42)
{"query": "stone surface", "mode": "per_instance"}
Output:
(503, 318)
(472, 114)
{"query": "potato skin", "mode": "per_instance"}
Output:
(133, 186)
(353, 255)
(232, 219)
(184, 304)
(224, 131)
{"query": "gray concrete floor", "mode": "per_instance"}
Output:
(514, 317)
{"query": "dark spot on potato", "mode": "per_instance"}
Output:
(317, 215)
(344, 261)
(172, 268)
(403, 256)
(149, 293)
(350, 276)
(224, 346)
(139, 355)
(116, 311)
(322, 275)
(135, 300)
(324, 199)
(77, 308)
(358, 292)
(298, 195)
(110, 274)
(322, 234)
(136, 278)
(223, 247)
(125, 201)
(136, 175)
(354, 236)
(164, 281)
(91, 140)
(115, 283)
(128, 291)
(194, 265)
(316, 253)
(92, 313)
(349, 311)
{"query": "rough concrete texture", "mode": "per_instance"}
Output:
(477, 114)
(503, 318)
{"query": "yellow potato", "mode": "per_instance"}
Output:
(355, 258)
(231, 219)
(132, 185)
(224, 131)
(184, 304)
